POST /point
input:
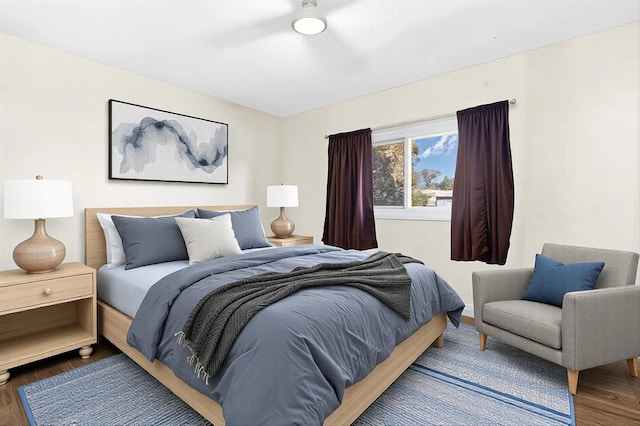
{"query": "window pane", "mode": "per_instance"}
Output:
(433, 161)
(388, 175)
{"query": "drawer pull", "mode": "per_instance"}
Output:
(47, 291)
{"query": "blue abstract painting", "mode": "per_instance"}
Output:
(151, 144)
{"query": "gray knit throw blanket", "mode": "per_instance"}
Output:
(219, 317)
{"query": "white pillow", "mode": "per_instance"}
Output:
(115, 252)
(208, 239)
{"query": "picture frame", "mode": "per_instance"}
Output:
(149, 144)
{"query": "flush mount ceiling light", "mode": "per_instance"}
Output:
(309, 22)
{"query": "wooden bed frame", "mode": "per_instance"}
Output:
(113, 325)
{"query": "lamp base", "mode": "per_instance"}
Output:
(40, 253)
(282, 227)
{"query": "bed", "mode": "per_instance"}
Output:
(114, 325)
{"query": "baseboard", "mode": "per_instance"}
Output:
(467, 315)
(468, 311)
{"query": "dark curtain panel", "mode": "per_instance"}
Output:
(349, 221)
(483, 193)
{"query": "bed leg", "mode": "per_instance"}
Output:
(439, 341)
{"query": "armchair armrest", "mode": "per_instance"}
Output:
(600, 326)
(503, 284)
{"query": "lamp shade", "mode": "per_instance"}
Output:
(37, 199)
(282, 196)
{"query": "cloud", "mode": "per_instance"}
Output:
(445, 145)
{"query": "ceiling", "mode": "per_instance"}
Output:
(246, 52)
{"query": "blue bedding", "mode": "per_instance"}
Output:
(292, 361)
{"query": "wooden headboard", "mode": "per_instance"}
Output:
(95, 251)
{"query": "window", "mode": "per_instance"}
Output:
(414, 169)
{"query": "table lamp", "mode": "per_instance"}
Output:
(38, 199)
(282, 196)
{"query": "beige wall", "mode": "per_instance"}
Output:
(54, 122)
(575, 143)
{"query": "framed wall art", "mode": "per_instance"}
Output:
(155, 145)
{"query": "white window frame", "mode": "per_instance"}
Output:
(405, 134)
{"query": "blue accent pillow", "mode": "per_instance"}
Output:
(552, 279)
(246, 226)
(149, 240)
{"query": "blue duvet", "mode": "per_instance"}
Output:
(293, 360)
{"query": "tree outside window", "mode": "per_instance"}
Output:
(388, 174)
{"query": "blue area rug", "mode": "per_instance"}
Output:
(453, 385)
(459, 385)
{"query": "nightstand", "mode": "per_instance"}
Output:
(42, 315)
(293, 240)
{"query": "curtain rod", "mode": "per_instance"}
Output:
(408, 123)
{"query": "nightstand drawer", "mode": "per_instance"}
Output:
(36, 293)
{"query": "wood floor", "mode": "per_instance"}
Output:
(607, 395)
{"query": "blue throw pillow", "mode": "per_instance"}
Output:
(246, 226)
(552, 279)
(149, 240)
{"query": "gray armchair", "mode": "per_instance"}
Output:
(592, 328)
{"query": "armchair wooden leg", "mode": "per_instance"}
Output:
(573, 381)
(483, 341)
(632, 363)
